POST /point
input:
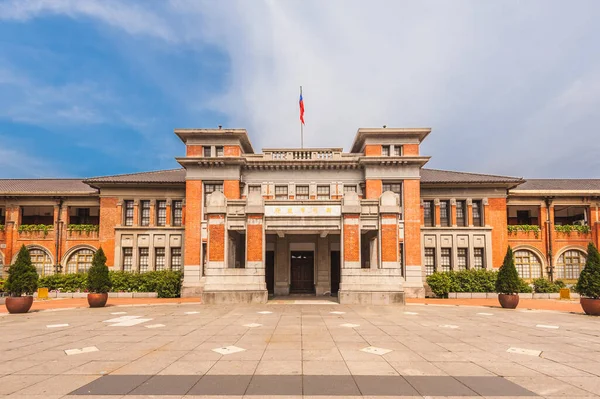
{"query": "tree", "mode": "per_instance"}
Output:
(508, 281)
(22, 275)
(98, 279)
(588, 284)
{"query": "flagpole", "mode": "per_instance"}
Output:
(301, 127)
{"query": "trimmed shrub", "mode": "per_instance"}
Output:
(545, 286)
(72, 282)
(22, 275)
(440, 283)
(588, 284)
(166, 283)
(98, 280)
(524, 287)
(474, 280)
(508, 281)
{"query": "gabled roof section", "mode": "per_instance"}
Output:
(40, 187)
(582, 186)
(432, 176)
(170, 176)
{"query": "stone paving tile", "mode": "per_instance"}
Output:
(371, 368)
(317, 367)
(549, 387)
(179, 367)
(329, 385)
(233, 367)
(462, 369)
(494, 386)
(221, 385)
(439, 386)
(279, 367)
(166, 385)
(111, 385)
(275, 385)
(13, 383)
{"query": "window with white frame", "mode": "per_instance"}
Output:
(210, 188)
(161, 213)
(302, 192)
(349, 188)
(145, 213)
(445, 213)
(143, 260)
(219, 151)
(281, 192)
(429, 261)
(478, 258)
(177, 213)
(323, 192)
(461, 219)
(207, 152)
(477, 213)
(128, 205)
(446, 259)
(462, 259)
(385, 150)
(159, 259)
(428, 213)
(176, 259)
(528, 264)
(570, 264)
(80, 261)
(42, 262)
(397, 150)
(254, 188)
(128, 259)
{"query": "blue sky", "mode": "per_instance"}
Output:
(96, 87)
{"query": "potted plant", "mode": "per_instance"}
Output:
(22, 279)
(588, 285)
(99, 282)
(508, 282)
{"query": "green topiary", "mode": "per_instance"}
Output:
(508, 281)
(22, 276)
(98, 280)
(588, 284)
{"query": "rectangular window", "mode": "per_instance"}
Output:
(462, 259)
(175, 259)
(207, 152)
(478, 261)
(445, 213)
(428, 213)
(254, 189)
(385, 150)
(128, 213)
(322, 192)
(127, 259)
(350, 189)
(281, 192)
(143, 260)
(219, 151)
(396, 188)
(145, 213)
(161, 213)
(159, 259)
(429, 261)
(302, 192)
(210, 188)
(446, 259)
(397, 150)
(477, 214)
(177, 213)
(461, 220)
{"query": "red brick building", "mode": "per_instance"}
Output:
(367, 225)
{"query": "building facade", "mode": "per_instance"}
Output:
(366, 225)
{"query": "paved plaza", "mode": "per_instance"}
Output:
(298, 349)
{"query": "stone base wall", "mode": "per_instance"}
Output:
(234, 297)
(414, 292)
(371, 297)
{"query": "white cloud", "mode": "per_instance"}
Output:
(507, 87)
(17, 163)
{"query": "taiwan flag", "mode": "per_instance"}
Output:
(301, 102)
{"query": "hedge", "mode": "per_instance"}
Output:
(166, 283)
(474, 280)
(545, 286)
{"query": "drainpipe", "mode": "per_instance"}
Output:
(548, 201)
(57, 265)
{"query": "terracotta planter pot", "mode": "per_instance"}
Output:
(590, 306)
(97, 300)
(18, 304)
(508, 301)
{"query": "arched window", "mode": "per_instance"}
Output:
(80, 261)
(42, 262)
(570, 264)
(528, 264)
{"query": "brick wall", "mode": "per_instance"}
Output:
(194, 150)
(412, 222)
(216, 238)
(110, 216)
(193, 222)
(232, 151)
(373, 189)
(495, 216)
(389, 238)
(351, 238)
(410, 149)
(231, 189)
(254, 238)
(372, 150)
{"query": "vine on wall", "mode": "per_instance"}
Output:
(526, 228)
(87, 228)
(569, 228)
(29, 228)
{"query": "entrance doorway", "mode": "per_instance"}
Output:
(302, 272)
(335, 272)
(270, 271)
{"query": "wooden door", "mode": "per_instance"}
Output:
(335, 272)
(302, 272)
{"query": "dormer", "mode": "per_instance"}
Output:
(389, 142)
